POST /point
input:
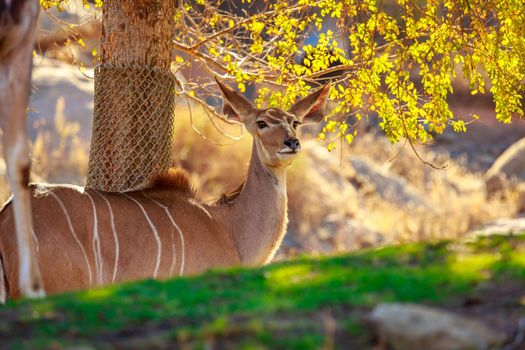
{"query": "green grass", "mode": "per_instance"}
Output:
(306, 303)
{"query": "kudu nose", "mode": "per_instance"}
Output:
(292, 143)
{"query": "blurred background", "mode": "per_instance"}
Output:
(369, 193)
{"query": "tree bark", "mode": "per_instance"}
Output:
(134, 95)
(137, 32)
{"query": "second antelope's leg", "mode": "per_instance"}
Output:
(16, 153)
(15, 76)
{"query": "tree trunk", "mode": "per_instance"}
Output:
(134, 99)
(137, 32)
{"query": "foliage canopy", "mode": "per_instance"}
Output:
(395, 59)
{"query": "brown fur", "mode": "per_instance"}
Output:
(228, 198)
(175, 179)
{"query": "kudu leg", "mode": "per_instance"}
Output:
(16, 153)
(18, 165)
(14, 95)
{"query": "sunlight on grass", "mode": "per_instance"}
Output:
(474, 266)
(286, 275)
(518, 259)
(98, 294)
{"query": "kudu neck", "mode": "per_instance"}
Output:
(258, 218)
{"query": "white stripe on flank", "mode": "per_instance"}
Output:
(173, 248)
(180, 235)
(155, 233)
(117, 247)
(99, 264)
(72, 230)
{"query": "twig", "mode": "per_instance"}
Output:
(399, 152)
(204, 137)
(410, 142)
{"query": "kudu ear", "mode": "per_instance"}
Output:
(235, 107)
(311, 108)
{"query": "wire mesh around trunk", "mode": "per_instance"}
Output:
(132, 127)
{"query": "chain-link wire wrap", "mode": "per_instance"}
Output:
(132, 127)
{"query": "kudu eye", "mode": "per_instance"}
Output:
(295, 124)
(261, 124)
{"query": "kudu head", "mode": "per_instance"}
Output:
(275, 130)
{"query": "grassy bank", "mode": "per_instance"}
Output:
(301, 304)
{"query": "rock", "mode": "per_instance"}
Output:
(499, 226)
(415, 327)
(510, 164)
(350, 234)
(388, 186)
